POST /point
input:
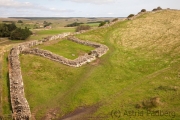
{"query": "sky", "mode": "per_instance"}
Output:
(80, 8)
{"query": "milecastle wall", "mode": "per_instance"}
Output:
(20, 106)
(81, 60)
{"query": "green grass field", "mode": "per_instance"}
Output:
(142, 62)
(39, 34)
(6, 105)
(93, 24)
(68, 49)
(52, 85)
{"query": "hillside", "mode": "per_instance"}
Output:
(139, 73)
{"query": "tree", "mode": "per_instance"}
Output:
(131, 15)
(10, 30)
(143, 10)
(19, 21)
(4, 32)
(73, 24)
(6, 29)
(46, 23)
(158, 8)
(20, 34)
(102, 23)
(11, 27)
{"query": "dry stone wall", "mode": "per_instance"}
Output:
(20, 106)
(81, 60)
(73, 63)
(100, 48)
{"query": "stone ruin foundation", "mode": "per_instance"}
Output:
(20, 106)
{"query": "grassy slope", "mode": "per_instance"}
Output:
(141, 50)
(67, 48)
(143, 55)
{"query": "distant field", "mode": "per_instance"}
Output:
(39, 34)
(56, 22)
(67, 49)
(93, 24)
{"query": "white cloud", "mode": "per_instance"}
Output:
(92, 1)
(14, 4)
(110, 13)
(28, 5)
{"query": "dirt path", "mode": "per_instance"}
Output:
(82, 113)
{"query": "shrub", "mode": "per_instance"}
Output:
(154, 9)
(20, 34)
(102, 23)
(46, 23)
(114, 19)
(6, 29)
(19, 21)
(131, 15)
(82, 27)
(73, 24)
(158, 8)
(143, 10)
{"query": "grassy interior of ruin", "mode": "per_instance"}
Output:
(66, 48)
(142, 62)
